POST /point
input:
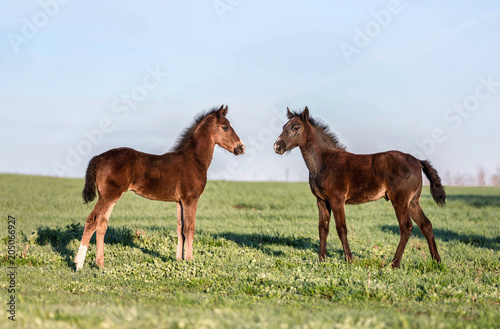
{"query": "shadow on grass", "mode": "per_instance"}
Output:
(476, 201)
(59, 238)
(264, 242)
(447, 235)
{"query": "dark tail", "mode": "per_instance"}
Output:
(89, 191)
(437, 190)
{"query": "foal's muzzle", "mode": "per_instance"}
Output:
(239, 150)
(280, 146)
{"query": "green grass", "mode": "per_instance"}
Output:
(255, 262)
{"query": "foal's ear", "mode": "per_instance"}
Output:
(304, 116)
(221, 112)
(289, 114)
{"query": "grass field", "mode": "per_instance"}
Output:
(255, 262)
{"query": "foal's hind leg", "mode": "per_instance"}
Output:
(97, 220)
(90, 228)
(425, 227)
(405, 228)
(338, 208)
(102, 226)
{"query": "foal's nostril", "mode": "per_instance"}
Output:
(279, 146)
(239, 150)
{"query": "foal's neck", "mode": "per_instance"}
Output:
(312, 151)
(200, 148)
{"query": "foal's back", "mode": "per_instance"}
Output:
(368, 177)
(158, 177)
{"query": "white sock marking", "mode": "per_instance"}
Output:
(80, 257)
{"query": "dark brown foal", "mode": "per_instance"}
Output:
(337, 177)
(178, 176)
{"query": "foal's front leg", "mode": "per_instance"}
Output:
(323, 226)
(180, 231)
(189, 214)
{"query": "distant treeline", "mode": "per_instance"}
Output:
(480, 178)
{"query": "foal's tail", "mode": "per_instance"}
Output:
(437, 190)
(89, 191)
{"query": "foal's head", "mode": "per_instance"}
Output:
(224, 135)
(299, 127)
(294, 132)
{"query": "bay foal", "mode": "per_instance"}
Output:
(178, 176)
(337, 177)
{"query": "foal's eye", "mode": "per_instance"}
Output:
(296, 127)
(225, 128)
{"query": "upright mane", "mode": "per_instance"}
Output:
(324, 131)
(187, 133)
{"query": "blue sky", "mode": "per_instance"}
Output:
(78, 78)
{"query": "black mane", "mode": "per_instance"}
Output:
(327, 135)
(187, 133)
